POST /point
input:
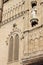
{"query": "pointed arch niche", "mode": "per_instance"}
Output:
(13, 45)
(13, 54)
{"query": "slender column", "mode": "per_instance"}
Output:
(1, 9)
(26, 44)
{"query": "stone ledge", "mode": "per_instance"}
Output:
(34, 59)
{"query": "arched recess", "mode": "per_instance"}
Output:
(13, 42)
(10, 53)
(16, 48)
(13, 54)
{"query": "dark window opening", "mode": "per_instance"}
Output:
(33, 4)
(34, 23)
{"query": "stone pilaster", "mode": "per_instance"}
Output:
(1, 9)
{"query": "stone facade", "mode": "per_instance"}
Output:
(21, 32)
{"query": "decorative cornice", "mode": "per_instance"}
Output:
(33, 33)
(13, 9)
(33, 29)
(13, 18)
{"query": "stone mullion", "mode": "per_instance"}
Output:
(13, 46)
(26, 44)
(41, 43)
(36, 45)
(42, 14)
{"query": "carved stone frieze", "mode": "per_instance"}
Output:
(13, 17)
(33, 42)
(36, 34)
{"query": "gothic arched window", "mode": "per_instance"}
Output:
(13, 48)
(10, 57)
(16, 50)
